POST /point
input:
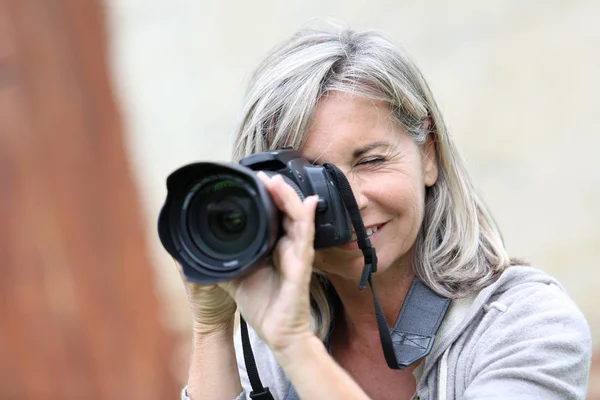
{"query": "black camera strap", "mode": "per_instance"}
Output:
(419, 320)
(259, 392)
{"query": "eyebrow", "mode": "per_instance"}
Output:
(362, 150)
(371, 146)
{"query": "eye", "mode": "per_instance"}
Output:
(371, 161)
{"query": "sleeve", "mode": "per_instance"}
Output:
(184, 395)
(539, 347)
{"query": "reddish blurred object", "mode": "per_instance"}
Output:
(78, 314)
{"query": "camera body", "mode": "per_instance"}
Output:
(219, 221)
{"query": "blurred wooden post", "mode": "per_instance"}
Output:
(79, 317)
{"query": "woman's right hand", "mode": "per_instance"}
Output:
(212, 307)
(213, 371)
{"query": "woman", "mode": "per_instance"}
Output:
(356, 100)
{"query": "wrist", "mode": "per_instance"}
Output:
(224, 329)
(213, 372)
(298, 349)
(314, 373)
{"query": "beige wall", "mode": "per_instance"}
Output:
(518, 82)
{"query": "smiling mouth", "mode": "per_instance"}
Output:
(370, 231)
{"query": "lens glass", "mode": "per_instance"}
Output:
(226, 218)
(222, 217)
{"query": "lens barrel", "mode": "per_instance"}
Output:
(217, 221)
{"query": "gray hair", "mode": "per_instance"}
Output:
(459, 249)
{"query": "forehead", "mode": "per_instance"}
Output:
(345, 122)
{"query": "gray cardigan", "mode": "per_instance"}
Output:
(520, 338)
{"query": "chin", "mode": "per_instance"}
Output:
(344, 267)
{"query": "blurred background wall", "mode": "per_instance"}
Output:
(518, 82)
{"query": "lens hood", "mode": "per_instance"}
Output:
(182, 222)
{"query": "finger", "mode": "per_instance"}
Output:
(301, 234)
(293, 259)
(263, 177)
(286, 198)
(299, 216)
(281, 193)
(307, 227)
(310, 208)
(310, 205)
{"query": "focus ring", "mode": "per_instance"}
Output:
(288, 181)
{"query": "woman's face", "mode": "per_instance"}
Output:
(388, 173)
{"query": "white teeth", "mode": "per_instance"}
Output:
(370, 231)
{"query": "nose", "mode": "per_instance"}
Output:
(361, 200)
(357, 189)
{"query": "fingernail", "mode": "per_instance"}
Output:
(263, 176)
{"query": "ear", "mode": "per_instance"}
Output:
(429, 155)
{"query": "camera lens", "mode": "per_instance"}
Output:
(226, 218)
(222, 217)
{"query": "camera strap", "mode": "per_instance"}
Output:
(259, 392)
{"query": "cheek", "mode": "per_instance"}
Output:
(404, 196)
(409, 216)
(406, 205)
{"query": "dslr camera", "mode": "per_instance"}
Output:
(219, 221)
